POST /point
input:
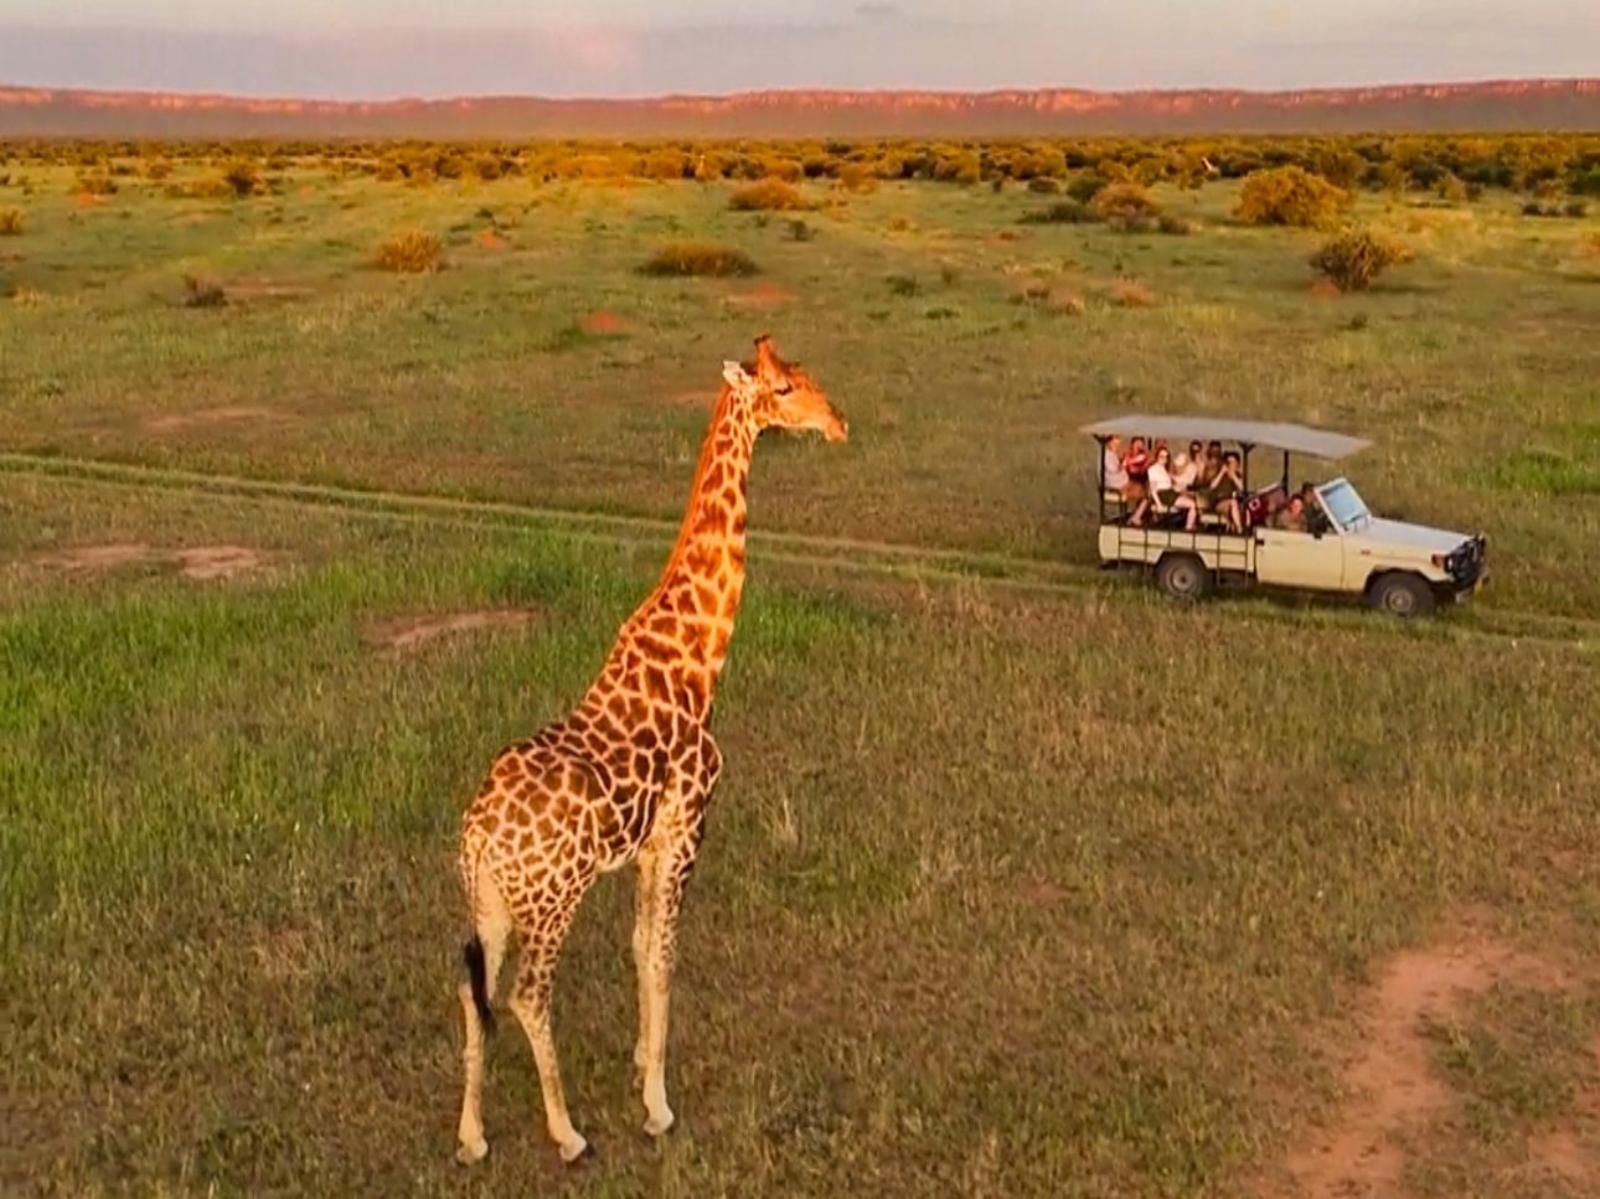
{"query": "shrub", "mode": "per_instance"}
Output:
(1068, 303)
(1290, 196)
(903, 285)
(1125, 206)
(1043, 185)
(157, 169)
(10, 222)
(800, 231)
(858, 177)
(1176, 226)
(1576, 208)
(203, 293)
(95, 185)
(768, 195)
(1063, 212)
(242, 178)
(699, 258)
(1085, 187)
(1130, 293)
(1451, 190)
(1356, 257)
(413, 252)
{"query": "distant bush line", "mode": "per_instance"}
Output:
(1448, 165)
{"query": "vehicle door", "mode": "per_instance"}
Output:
(1312, 560)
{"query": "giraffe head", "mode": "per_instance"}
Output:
(784, 396)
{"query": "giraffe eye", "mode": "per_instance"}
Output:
(782, 389)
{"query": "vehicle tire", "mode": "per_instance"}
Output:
(1400, 594)
(1183, 577)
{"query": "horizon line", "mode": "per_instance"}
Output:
(1554, 80)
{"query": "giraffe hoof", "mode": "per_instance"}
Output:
(659, 1126)
(577, 1151)
(469, 1155)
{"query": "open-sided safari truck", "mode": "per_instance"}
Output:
(1403, 569)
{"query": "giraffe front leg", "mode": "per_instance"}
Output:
(643, 912)
(672, 870)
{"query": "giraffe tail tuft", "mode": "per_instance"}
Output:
(477, 974)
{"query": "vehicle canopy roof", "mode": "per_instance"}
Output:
(1297, 439)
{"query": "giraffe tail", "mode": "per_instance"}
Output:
(472, 952)
(477, 975)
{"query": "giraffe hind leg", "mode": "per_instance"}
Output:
(491, 924)
(543, 930)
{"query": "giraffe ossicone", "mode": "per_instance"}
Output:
(626, 778)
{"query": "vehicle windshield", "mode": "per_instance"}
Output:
(1344, 505)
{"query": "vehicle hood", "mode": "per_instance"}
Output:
(1399, 534)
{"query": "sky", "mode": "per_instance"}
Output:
(377, 49)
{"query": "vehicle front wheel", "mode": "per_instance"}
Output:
(1402, 595)
(1183, 577)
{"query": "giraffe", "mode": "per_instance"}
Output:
(627, 776)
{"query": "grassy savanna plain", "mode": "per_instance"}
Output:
(1019, 881)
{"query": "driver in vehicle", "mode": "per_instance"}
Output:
(1291, 518)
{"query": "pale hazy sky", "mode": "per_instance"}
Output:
(383, 48)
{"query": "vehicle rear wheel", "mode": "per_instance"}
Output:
(1402, 595)
(1183, 577)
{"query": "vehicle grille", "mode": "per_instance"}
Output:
(1465, 563)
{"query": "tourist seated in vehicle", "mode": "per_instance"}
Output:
(1114, 478)
(1136, 465)
(1165, 492)
(1185, 475)
(1225, 488)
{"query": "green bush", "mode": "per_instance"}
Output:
(768, 195)
(1063, 212)
(1356, 257)
(1290, 196)
(1086, 186)
(699, 258)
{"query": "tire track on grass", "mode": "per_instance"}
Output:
(911, 563)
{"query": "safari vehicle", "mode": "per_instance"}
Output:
(1399, 568)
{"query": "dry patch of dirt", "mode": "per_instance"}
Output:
(490, 240)
(411, 631)
(226, 414)
(1391, 1093)
(202, 562)
(266, 289)
(603, 323)
(762, 295)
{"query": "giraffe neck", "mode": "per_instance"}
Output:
(683, 627)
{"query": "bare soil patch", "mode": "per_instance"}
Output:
(762, 295)
(200, 562)
(408, 632)
(266, 289)
(225, 414)
(603, 323)
(216, 561)
(1391, 1091)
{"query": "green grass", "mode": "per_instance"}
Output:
(1019, 882)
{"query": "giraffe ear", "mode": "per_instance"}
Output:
(734, 374)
